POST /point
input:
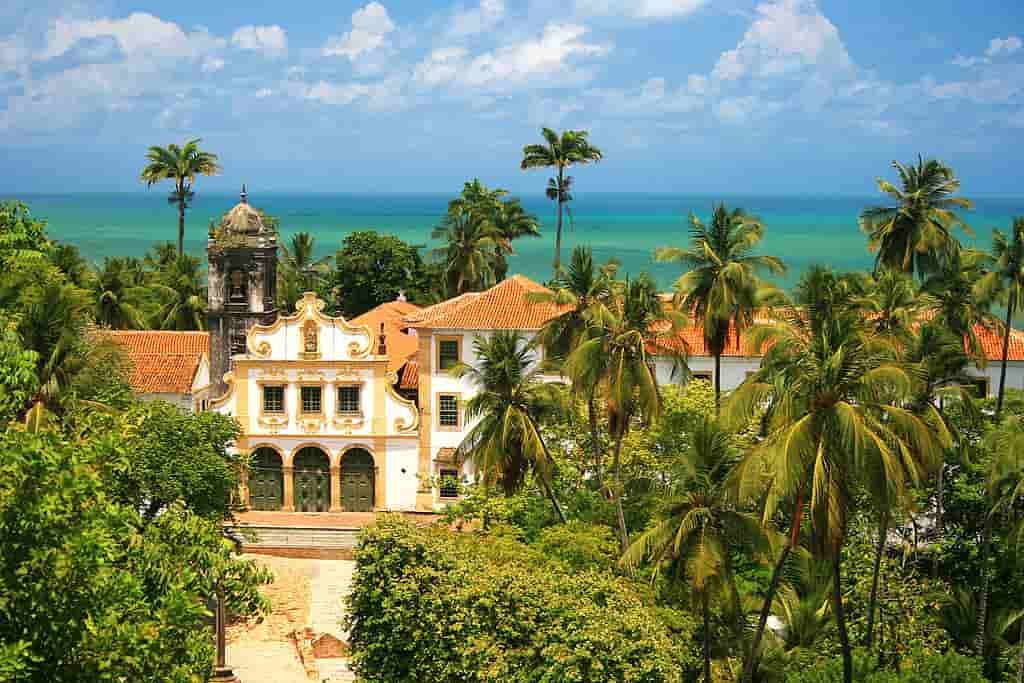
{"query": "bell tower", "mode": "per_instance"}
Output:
(242, 253)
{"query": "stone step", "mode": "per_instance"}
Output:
(255, 536)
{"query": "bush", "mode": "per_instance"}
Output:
(579, 545)
(944, 668)
(437, 605)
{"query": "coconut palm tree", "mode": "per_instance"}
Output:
(181, 165)
(699, 526)
(117, 297)
(1006, 282)
(835, 392)
(560, 152)
(472, 240)
(299, 270)
(915, 233)
(611, 360)
(506, 444)
(511, 221)
(581, 286)
(721, 287)
(183, 296)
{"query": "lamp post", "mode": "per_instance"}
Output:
(222, 673)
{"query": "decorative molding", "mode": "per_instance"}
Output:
(402, 425)
(273, 422)
(272, 375)
(311, 422)
(347, 422)
(229, 380)
(309, 308)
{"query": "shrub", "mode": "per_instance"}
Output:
(942, 668)
(437, 605)
(579, 545)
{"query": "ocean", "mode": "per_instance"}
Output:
(801, 230)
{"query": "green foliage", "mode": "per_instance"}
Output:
(89, 594)
(579, 545)
(921, 668)
(21, 236)
(431, 604)
(371, 269)
(18, 378)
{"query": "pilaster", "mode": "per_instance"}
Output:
(289, 490)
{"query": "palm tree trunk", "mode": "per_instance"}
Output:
(837, 608)
(1006, 351)
(706, 610)
(982, 616)
(617, 491)
(718, 384)
(554, 501)
(558, 224)
(883, 531)
(773, 585)
(181, 224)
(1020, 654)
(595, 439)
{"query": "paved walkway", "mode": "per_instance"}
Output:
(329, 584)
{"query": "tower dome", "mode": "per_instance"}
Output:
(243, 219)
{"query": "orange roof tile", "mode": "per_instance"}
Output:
(502, 307)
(162, 362)
(400, 346)
(410, 377)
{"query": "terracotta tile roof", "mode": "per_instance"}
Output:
(400, 345)
(410, 376)
(992, 343)
(502, 307)
(162, 362)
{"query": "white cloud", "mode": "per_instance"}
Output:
(212, 65)
(480, 19)
(270, 40)
(546, 59)
(640, 9)
(384, 94)
(967, 62)
(370, 27)
(137, 34)
(788, 37)
(653, 98)
(12, 55)
(264, 92)
(984, 91)
(1003, 46)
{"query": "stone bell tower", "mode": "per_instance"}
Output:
(242, 252)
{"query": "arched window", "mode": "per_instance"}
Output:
(237, 281)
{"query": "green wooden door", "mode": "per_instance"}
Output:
(357, 481)
(312, 480)
(266, 483)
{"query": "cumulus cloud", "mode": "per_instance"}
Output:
(479, 19)
(640, 9)
(384, 94)
(548, 58)
(137, 34)
(371, 25)
(270, 40)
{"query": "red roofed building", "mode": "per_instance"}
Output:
(164, 364)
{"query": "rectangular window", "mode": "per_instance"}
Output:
(348, 399)
(705, 376)
(447, 353)
(311, 400)
(273, 399)
(448, 410)
(449, 487)
(979, 386)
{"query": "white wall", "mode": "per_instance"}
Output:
(183, 401)
(401, 482)
(734, 369)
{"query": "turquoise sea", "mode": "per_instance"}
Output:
(801, 230)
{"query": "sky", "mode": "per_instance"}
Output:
(794, 97)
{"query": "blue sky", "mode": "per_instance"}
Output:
(684, 96)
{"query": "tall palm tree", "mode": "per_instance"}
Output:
(468, 255)
(721, 288)
(511, 221)
(181, 165)
(1006, 281)
(182, 294)
(835, 395)
(699, 526)
(955, 297)
(300, 271)
(611, 360)
(915, 233)
(116, 297)
(560, 152)
(506, 443)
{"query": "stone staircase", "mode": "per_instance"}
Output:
(256, 537)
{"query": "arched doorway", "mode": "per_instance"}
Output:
(312, 479)
(266, 482)
(357, 475)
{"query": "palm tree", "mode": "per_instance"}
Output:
(915, 233)
(160, 256)
(506, 443)
(560, 153)
(699, 526)
(583, 285)
(181, 165)
(611, 360)
(1007, 282)
(721, 289)
(183, 295)
(511, 221)
(299, 271)
(117, 297)
(834, 392)
(955, 298)
(468, 257)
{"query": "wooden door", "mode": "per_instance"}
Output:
(266, 482)
(312, 480)
(357, 481)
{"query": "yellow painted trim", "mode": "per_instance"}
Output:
(309, 307)
(380, 401)
(229, 379)
(400, 425)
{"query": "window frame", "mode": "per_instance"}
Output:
(359, 399)
(981, 384)
(441, 341)
(302, 399)
(263, 400)
(708, 375)
(441, 488)
(458, 412)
